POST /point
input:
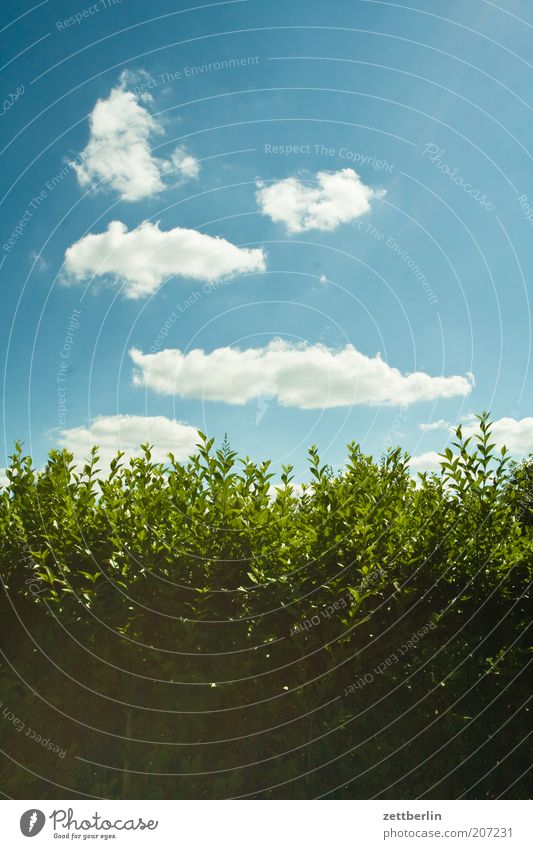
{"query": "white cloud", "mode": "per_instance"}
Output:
(119, 155)
(126, 433)
(516, 434)
(441, 424)
(142, 258)
(38, 261)
(305, 376)
(339, 197)
(428, 462)
(185, 164)
(3, 479)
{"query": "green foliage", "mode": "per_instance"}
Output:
(192, 629)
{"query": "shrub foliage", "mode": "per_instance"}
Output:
(191, 630)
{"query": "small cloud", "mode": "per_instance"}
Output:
(428, 462)
(185, 165)
(515, 434)
(441, 424)
(39, 262)
(321, 203)
(126, 433)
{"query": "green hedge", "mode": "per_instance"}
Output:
(190, 630)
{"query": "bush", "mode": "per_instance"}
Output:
(189, 630)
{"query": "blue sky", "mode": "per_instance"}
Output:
(368, 167)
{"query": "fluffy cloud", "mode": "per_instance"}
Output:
(516, 434)
(340, 196)
(305, 376)
(3, 479)
(185, 164)
(119, 155)
(142, 258)
(126, 433)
